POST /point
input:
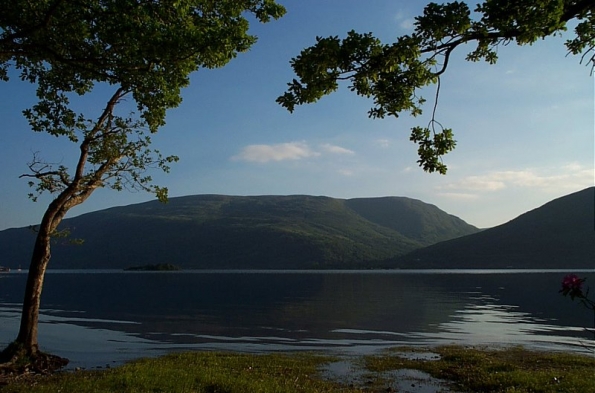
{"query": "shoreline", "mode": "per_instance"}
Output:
(440, 369)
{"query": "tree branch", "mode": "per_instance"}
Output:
(44, 24)
(573, 11)
(84, 148)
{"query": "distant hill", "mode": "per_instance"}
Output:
(260, 232)
(559, 234)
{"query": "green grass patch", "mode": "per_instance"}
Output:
(197, 372)
(497, 370)
(512, 370)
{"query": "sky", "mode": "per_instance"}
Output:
(524, 128)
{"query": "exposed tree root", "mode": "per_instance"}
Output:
(16, 362)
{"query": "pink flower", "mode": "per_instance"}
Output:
(572, 285)
(572, 281)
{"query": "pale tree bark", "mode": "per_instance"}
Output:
(25, 349)
(73, 192)
(27, 337)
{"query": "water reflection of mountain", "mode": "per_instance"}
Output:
(295, 305)
(299, 305)
(374, 303)
(188, 307)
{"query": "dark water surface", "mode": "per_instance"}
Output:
(105, 317)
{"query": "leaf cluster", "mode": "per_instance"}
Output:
(144, 50)
(392, 74)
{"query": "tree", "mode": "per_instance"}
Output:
(144, 51)
(392, 74)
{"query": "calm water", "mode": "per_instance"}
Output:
(105, 317)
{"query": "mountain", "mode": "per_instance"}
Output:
(259, 232)
(559, 234)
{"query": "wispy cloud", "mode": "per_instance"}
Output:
(336, 149)
(490, 182)
(384, 143)
(404, 22)
(571, 177)
(287, 151)
(277, 152)
(459, 196)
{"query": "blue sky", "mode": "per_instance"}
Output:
(524, 128)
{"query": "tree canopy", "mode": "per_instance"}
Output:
(146, 49)
(141, 51)
(392, 74)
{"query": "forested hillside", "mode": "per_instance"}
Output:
(559, 234)
(260, 232)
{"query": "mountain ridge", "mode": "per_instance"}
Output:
(257, 232)
(558, 234)
(316, 232)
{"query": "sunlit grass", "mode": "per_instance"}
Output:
(203, 372)
(491, 370)
(512, 370)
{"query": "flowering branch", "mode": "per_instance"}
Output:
(572, 286)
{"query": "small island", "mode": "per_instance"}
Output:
(159, 267)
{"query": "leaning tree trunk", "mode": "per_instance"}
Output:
(71, 192)
(25, 349)
(23, 355)
(27, 337)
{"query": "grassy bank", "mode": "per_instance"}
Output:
(461, 369)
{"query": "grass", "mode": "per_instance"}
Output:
(465, 369)
(204, 372)
(492, 370)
